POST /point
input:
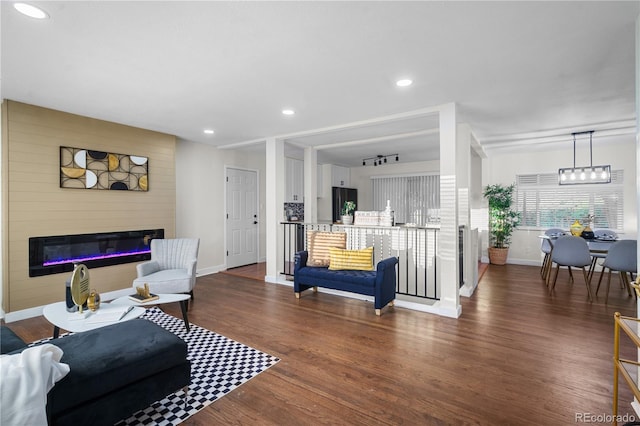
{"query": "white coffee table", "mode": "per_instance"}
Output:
(162, 299)
(107, 314)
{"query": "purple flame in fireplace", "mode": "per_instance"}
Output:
(89, 258)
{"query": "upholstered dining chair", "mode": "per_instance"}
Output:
(571, 251)
(621, 257)
(597, 234)
(172, 268)
(546, 246)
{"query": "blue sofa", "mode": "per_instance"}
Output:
(381, 283)
(114, 371)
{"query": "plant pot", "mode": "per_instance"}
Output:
(347, 219)
(498, 256)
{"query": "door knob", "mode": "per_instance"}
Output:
(255, 222)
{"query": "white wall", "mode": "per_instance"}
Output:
(503, 168)
(200, 210)
(324, 205)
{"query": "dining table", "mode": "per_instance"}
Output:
(598, 247)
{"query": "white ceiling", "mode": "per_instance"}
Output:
(519, 72)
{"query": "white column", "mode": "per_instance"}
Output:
(463, 183)
(448, 247)
(274, 205)
(310, 185)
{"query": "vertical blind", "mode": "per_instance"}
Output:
(414, 199)
(543, 203)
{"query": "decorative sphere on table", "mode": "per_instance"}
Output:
(93, 301)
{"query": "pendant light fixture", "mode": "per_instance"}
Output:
(379, 159)
(584, 174)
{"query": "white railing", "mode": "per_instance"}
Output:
(415, 248)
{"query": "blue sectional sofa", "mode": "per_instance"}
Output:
(114, 371)
(381, 283)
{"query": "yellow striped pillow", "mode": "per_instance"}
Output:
(359, 260)
(318, 244)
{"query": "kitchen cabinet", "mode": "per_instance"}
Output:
(294, 172)
(340, 176)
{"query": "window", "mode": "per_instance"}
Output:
(544, 204)
(414, 199)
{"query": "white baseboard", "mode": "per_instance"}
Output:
(278, 280)
(432, 308)
(512, 261)
(210, 270)
(526, 262)
(23, 314)
(467, 290)
(37, 310)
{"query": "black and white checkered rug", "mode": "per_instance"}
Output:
(218, 366)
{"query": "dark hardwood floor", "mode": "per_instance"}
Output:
(516, 356)
(255, 271)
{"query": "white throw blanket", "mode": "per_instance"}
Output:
(25, 380)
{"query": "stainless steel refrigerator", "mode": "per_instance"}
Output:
(338, 196)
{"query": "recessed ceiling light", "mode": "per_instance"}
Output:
(30, 11)
(404, 82)
(288, 112)
(209, 131)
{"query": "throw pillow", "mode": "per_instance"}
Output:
(359, 260)
(318, 244)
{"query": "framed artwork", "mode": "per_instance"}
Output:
(87, 169)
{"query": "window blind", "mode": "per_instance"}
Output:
(544, 204)
(414, 199)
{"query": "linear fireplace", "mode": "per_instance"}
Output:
(56, 254)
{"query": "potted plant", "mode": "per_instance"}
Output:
(347, 212)
(502, 221)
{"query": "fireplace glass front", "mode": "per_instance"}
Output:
(57, 254)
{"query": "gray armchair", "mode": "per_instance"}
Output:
(172, 268)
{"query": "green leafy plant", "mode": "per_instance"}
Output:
(348, 208)
(502, 219)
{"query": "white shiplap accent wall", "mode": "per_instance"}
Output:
(37, 206)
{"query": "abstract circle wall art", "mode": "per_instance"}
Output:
(89, 169)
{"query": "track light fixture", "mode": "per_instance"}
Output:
(584, 174)
(379, 159)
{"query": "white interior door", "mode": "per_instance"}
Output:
(242, 217)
